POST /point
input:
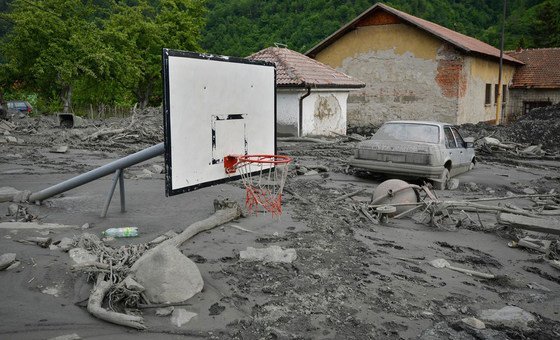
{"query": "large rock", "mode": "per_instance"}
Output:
(509, 316)
(167, 275)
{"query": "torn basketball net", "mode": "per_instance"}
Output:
(263, 177)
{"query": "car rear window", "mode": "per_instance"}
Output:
(409, 132)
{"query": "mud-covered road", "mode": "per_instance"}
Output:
(352, 279)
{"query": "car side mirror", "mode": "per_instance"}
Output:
(469, 142)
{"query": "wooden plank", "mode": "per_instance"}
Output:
(541, 225)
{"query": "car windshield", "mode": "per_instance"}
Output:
(409, 132)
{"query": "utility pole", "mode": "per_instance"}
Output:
(500, 94)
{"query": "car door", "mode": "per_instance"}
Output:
(453, 150)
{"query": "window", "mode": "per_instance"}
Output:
(409, 132)
(449, 139)
(504, 93)
(458, 138)
(528, 106)
(496, 92)
(488, 97)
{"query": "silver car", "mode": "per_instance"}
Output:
(416, 149)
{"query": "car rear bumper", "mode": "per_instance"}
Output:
(400, 169)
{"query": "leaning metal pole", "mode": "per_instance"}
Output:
(102, 171)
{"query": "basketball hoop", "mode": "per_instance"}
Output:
(263, 177)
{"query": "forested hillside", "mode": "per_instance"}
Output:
(242, 27)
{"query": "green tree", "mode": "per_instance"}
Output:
(52, 44)
(137, 33)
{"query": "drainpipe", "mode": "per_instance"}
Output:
(300, 129)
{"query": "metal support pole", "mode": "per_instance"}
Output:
(111, 192)
(102, 171)
(121, 191)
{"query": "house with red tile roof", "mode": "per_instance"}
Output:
(310, 96)
(414, 69)
(537, 82)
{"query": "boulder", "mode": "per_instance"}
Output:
(167, 275)
(474, 323)
(65, 244)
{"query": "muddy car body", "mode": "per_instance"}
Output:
(416, 149)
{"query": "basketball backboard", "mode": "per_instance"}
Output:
(214, 106)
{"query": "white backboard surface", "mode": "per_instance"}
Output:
(214, 106)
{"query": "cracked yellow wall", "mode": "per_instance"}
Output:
(478, 72)
(399, 64)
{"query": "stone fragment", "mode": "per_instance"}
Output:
(11, 139)
(181, 317)
(167, 275)
(65, 244)
(131, 284)
(7, 194)
(72, 336)
(79, 256)
(472, 186)
(311, 173)
(165, 311)
(85, 226)
(51, 291)
(474, 323)
(509, 316)
(6, 260)
(271, 254)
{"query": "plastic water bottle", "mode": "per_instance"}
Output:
(121, 232)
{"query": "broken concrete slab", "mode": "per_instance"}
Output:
(7, 194)
(181, 317)
(271, 254)
(6, 260)
(33, 225)
(542, 225)
(167, 275)
(79, 256)
(509, 316)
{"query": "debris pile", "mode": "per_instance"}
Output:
(536, 134)
(142, 129)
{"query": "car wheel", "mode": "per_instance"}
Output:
(442, 183)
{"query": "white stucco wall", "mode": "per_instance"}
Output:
(324, 113)
(287, 111)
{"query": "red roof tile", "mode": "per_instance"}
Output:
(462, 42)
(541, 69)
(293, 69)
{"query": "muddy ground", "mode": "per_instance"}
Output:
(351, 279)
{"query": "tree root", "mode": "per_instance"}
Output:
(94, 307)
